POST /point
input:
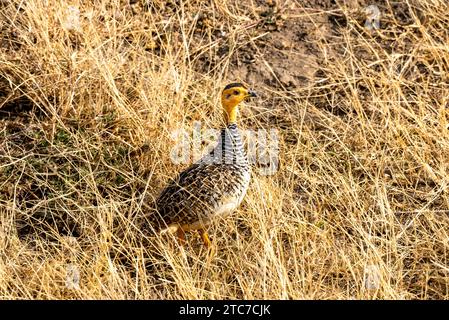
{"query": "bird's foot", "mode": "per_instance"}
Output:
(211, 250)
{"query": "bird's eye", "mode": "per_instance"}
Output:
(236, 92)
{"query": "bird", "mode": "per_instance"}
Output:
(213, 186)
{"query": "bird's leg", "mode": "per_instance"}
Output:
(205, 238)
(181, 236)
(211, 250)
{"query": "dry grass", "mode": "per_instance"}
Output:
(86, 113)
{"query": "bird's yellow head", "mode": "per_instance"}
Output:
(231, 96)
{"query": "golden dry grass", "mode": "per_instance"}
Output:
(88, 106)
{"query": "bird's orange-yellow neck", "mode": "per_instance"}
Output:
(230, 108)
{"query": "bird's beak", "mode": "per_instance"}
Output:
(251, 93)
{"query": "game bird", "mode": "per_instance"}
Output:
(213, 186)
